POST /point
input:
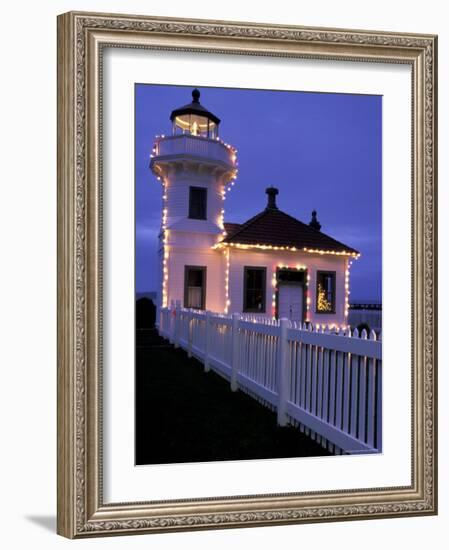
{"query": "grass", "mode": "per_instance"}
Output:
(186, 415)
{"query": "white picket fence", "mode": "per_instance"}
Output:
(328, 384)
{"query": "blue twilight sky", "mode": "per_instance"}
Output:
(322, 151)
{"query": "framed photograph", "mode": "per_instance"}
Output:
(246, 274)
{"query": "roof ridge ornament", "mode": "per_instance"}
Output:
(271, 192)
(196, 95)
(314, 223)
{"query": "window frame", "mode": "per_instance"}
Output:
(197, 188)
(202, 268)
(334, 288)
(245, 309)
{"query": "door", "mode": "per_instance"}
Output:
(290, 302)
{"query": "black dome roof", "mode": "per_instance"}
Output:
(194, 108)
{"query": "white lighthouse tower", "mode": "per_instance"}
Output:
(194, 166)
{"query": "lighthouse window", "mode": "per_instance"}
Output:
(254, 289)
(194, 287)
(325, 292)
(198, 203)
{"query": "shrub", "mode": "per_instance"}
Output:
(362, 326)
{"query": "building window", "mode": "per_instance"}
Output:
(254, 289)
(194, 287)
(325, 291)
(198, 203)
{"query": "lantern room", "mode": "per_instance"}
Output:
(194, 119)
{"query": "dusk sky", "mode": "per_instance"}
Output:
(322, 151)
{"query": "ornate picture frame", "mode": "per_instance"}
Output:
(82, 38)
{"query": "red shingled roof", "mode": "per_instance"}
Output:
(272, 227)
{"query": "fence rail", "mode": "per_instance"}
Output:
(327, 383)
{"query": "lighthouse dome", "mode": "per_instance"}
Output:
(195, 119)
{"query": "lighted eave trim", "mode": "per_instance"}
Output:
(355, 255)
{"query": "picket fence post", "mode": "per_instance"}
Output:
(281, 367)
(206, 341)
(175, 313)
(379, 408)
(189, 333)
(235, 351)
(172, 322)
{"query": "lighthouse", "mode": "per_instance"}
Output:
(195, 167)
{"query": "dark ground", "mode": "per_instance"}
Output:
(186, 415)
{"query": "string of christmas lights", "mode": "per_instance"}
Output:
(308, 300)
(165, 248)
(347, 291)
(222, 244)
(227, 246)
(227, 300)
(165, 251)
(274, 283)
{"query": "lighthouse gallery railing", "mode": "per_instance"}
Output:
(194, 145)
(328, 384)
